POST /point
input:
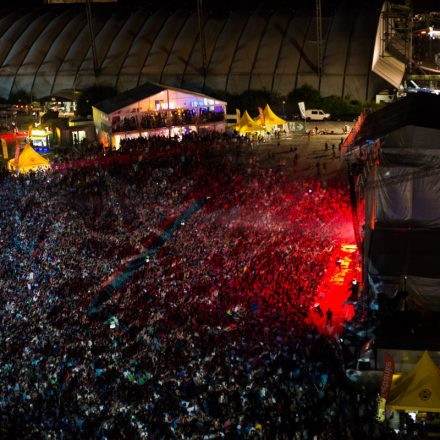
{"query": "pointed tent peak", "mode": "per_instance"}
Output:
(271, 118)
(426, 362)
(417, 389)
(247, 124)
(30, 157)
(247, 116)
(28, 160)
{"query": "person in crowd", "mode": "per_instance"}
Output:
(329, 317)
(214, 266)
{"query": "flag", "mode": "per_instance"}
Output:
(387, 377)
(302, 109)
(385, 387)
(5, 149)
(17, 150)
(262, 120)
(237, 111)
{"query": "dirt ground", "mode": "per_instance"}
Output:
(276, 153)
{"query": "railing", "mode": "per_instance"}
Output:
(161, 119)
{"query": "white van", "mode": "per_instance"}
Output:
(317, 115)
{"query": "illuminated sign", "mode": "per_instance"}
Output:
(39, 132)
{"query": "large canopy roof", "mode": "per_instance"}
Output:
(45, 50)
(418, 110)
(138, 93)
(403, 199)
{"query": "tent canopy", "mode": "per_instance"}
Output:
(247, 124)
(418, 110)
(29, 160)
(418, 389)
(271, 119)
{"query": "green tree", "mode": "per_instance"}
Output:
(249, 100)
(307, 94)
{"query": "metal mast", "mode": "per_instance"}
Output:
(319, 37)
(92, 37)
(202, 35)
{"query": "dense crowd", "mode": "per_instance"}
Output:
(163, 118)
(209, 338)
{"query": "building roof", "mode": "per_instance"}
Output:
(417, 109)
(45, 50)
(146, 90)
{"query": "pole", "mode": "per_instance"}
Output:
(168, 114)
(202, 35)
(319, 38)
(92, 38)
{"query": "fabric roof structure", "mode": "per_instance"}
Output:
(132, 96)
(417, 389)
(45, 50)
(413, 254)
(248, 125)
(416, 110)
(271, 119)
(402, 200)
(29, 160)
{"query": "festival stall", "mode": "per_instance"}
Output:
(271, 120)
(29, 160)
(417, 389)
(247, 125)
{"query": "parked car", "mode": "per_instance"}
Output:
(317, 115)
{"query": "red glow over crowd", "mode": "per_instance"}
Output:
(215, 334)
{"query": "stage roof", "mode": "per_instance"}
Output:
(418, 109)
(132, 96)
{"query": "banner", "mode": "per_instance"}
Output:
(17, 150)
(302, 109)
(352, 135)
(237, 111)
(387, 377)
(385, 387)
(261, 113)
(297, 126)
(5, 149)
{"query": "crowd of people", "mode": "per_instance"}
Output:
(209, 338)
(163, 118)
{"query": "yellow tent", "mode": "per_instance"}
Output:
(247, 124)
(418, 389)
(270, 118)
(29, 160)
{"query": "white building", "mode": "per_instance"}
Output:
(156, 110)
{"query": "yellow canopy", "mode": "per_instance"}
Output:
(29, 160)
(270, 118)
(247, 124)
(418, 389)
